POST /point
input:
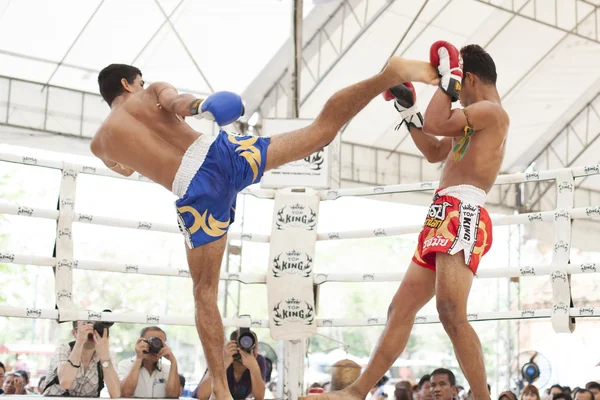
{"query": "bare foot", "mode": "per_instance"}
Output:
(412, 71)
(345, 394)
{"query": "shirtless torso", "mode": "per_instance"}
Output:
(483, 159)
(141, 136)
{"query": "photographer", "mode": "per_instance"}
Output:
(246, 369)
(145, 375)
(81, 368)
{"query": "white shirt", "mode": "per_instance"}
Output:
(149, 385)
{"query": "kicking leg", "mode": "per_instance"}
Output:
(416, 289)
(341, 107)
(453, 284)
(205, 268)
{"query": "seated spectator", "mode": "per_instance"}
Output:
(145, 374)
(23, 374)
(425, 388)
(562, 396)
(2, 377)
(554, 390)
(82, 367)
(181, 384)
(246, 372)
(530, 392)
(415, 392)
(377, 392)
(40, 385)
(401, 393)
(584, 394)
(406, 385)
(594, 387)
(443, 384)
(13, 383)
(507, 395)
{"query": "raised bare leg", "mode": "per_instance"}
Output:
(205, 269)
(453, 284)
(342, 107)
(416, 289)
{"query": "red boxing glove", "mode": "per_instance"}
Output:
(406, 104)
(446, 58)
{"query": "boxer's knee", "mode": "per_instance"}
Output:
(450, 314)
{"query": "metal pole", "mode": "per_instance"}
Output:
(296, 64)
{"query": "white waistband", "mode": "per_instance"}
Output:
(466, 193)
(190, 164)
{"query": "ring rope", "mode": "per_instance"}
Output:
(140, 318)
(526, 218)
(319, 278)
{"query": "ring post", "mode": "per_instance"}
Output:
(64, 243)
(561, 280)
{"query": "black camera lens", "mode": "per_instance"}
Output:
(154, 345)
(246, 340)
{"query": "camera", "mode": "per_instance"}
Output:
(154, 345)
(246, 341)
(99, 327)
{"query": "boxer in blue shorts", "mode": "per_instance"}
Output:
(146, 132)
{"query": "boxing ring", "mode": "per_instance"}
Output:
(562, 314)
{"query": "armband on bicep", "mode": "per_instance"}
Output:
(195, 106)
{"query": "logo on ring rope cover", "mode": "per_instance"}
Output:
(420, 319)
(152, 319)
(529, 271)
(296, 216)
(94, 316)
(7, 257)
(592, 169)
(532, 176)
(565, 186)
(535, 217)
(561, 245)
(527, 313)
(64, 264)
(291, 263)
(30, 160)
(25, 211)
(559, 276)
(64, 294)
(33, 312)
(69, 173)
(592, 211)
(589, 267)
(586, 311)
(560, 307)
(293, 310)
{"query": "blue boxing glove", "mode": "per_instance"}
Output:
(221, 107)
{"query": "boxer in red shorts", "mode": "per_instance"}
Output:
(457, 231)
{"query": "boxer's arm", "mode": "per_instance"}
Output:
(435, 150)
(96, 148)
(170, 100)
(441, 120)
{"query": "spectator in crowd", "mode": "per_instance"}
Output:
(2, 377)
(40, 385)
(181, 385)
(401, 393)
(145, 374)
(246, 372)
(594, 387)
(82, 367)
(530, 392)
(584, 394)
(406, 385)
(415, 392)
(567, 390)
(25, 376)
(443, 384)
(554, 390)
(425, 388)
(13, 384)
(507, 395)
(562, 396)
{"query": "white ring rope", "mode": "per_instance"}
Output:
(140, 318)
(71, 171)
(527, 218)
(521, 177)
(319, 278)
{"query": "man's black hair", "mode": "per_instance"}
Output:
(152, 328)
(444, 371)
(478, 62)
(109, 80)
(424, 378)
